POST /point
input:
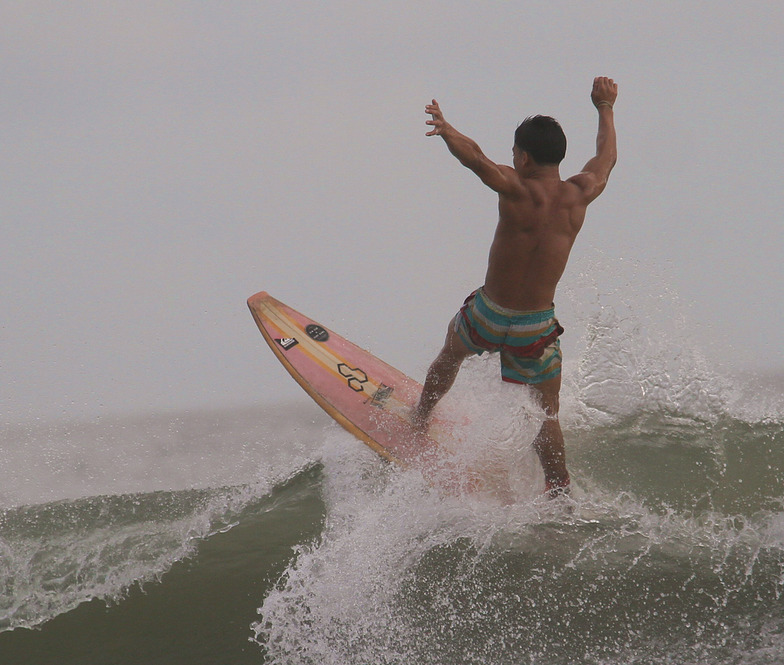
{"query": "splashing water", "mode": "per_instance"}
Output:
(670, 550)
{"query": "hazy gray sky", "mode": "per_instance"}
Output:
(162, 161)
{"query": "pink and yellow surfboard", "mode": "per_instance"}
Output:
(365, 395)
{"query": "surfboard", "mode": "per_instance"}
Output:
(368, 397)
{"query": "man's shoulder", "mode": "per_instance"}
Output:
(517, 186)
(580, 179)
(584, 185)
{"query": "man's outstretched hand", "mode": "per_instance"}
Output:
(436, 120)
(604, 92)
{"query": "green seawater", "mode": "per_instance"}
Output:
(671, 550)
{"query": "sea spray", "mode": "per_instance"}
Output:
(631, 347)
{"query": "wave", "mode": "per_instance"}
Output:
(55, 556)
(404, 574)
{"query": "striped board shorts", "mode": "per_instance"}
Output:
(527, 341)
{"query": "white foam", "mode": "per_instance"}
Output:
(402, 569)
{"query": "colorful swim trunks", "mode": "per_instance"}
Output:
(527, 341)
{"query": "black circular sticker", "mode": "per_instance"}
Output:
(317, 332)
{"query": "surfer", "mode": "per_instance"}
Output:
(513, 314)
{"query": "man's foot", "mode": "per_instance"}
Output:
(418, 420)
(555, 488)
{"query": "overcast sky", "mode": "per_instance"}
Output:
(162, 161)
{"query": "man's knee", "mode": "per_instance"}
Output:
(549, 394)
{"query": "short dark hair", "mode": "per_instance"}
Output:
(541, 137)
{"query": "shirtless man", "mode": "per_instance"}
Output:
(539, 218)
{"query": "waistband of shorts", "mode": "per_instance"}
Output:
(540, 314)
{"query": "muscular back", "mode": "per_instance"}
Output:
(536, 230)
(539, 214)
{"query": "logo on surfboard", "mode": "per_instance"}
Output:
(317, 333)
(380, 397)
(356, 377)
(287, 342)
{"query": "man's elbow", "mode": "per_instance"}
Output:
(610, 161)
(608, 155)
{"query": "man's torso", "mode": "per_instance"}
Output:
(534, 236)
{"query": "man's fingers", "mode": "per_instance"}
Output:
(435, 120)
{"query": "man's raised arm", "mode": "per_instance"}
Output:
(593, 178)
(497, 177)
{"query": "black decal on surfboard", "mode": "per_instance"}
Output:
(287, 342)
(317, 332)
(381, 396)
(356, 377)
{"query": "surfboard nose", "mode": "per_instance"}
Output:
(256, 298)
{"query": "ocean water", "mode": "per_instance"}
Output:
(268, 535)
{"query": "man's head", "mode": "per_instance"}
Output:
(542, 138)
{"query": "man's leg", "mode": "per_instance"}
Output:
(441, 376)
(549, 443)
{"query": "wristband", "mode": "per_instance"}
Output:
(604, 102)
